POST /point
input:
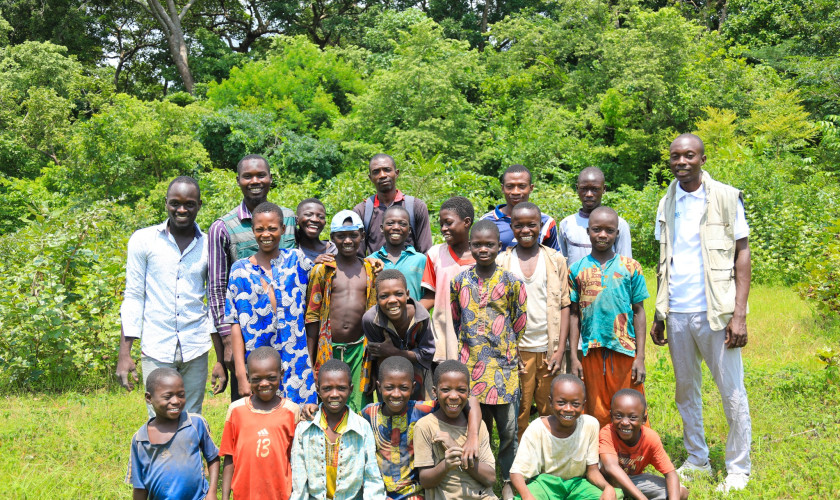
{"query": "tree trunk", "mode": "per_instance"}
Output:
(169, 20)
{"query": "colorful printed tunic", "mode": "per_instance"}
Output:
(606, 295)
(394, 437)
(489, 317)
(318, 310)
(248, 304)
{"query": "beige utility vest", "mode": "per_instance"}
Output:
(717, 243)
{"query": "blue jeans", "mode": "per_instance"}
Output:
(505, 417)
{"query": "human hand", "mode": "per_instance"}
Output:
(218, 378)
(657, 332)
(453, 457)
(377, 264)
(736, 332)
(125, 367)
(228, 352)
(382, 350)
(638, 370)
(469, 458)
(608, 493)
(522, 370)
(324, 258)
(244, 385)
(553, 364)
(577, 368)
(308, 412)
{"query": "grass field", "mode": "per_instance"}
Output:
(74, 444)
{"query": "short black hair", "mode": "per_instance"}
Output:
(567, 377)
(461, 206)
(633, 393)
(335, 365)
(525, 205)
(252, 157)
(516, 169)
(267, 207)
(594, 171)
(158, 375)
(451, 366)
(390, 274)
(308, 201)
(697, 138)
(395, 208)
(603, 208)
(263, 353)
(382, 156)
(184, 179)
(396, 365)
(485, 225)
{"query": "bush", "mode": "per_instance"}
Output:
(823, 283)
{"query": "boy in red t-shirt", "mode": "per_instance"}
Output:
(264, 422)
(627, 446)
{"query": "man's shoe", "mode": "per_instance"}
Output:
(507, 491)
(688, 470)
(734, 482)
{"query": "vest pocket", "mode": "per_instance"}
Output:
(721, 257)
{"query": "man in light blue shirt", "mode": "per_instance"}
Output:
(163, 305)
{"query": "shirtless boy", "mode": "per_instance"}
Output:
(339, 294)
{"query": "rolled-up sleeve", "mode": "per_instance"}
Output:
(134, 298)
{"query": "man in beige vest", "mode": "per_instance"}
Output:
(703, 284)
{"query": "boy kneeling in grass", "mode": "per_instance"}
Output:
(627, 447)
(342, 437)
(557, 458)
(439, 441)
(394, 421)
(166, 452)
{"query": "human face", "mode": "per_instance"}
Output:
(383, 174)
(396, 391)
(484, 246)
(628, 415)
(453, 228)
(254, 180)
(334, 388)
(264, 377)
(347, 242)
(566, 401)
(452, 390)
(268, 228)
(182, 204)
(396, 227)
(392, 297)
(603, 230)
(590, 190)
(168, 399)
(525, 225)
(311, 220)
(517, 187)
(686, 161)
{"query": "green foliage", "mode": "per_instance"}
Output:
(823, 278)
(300, 155)
(18, 198)
(231, 133)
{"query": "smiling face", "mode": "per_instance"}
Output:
(452, 390)
(334, 388)
(453, 228)
(392, 296)
(686, 160)
(182, 204)
(254, 180)
(566, 402)
(396, 390)
(268, 228)
(525, 225)
(484, 246)
(347, 242)
(311, 220)
(590, 190)
(383, 174)
(602, 230)
(168, 399)
(264, 377)
(516, 187)
(396, 227)
(627, 416)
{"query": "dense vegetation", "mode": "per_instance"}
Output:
(97, 113)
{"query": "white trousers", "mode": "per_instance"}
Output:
(690, 339)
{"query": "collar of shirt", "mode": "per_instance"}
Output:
(497, 212)
(398, 197)
(354, 421)
(184, 420)
(700, 193)
(605, 265)
(582, 214)
(244, 213)
(163, 227)
(420, 315)
(495, 276)
(383, 254)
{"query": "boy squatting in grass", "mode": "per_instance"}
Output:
(558, 455)
(399, 326)
(439, 438)
(488, 312)
(393, 422)
(350, 470)
(627, 447)
(395, 254)
(258, 434)
(607, 292)
(546, 278)
(339, 294)
(166, 452)
(265, 306)
(443, 262)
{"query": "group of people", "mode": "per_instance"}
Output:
(375, 364)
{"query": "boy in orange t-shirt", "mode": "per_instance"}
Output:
(627, 446)
(264, 422)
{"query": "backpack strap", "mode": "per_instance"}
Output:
(368, 214)
(409, 207)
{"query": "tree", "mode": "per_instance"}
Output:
(169, 20)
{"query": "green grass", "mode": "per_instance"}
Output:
(74, 444)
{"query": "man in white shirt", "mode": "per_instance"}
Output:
(163, 306)
(704, 282)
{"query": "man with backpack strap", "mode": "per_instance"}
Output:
(383, 174)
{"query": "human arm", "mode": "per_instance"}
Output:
(594, 476)
(556, 360)
(672, 486)
(312, 317)
(238, 344)
(300, 478)
(125, 365)
(374, 485)
(639, 322)
(428, 300)
(574, 339)
(428, 283)
(227, 477)
(623, 242)
(613, 470)
(736, 329)
(132, 308)
(213, 478)
(518, 482)
(218, 377)
(218, 265)
(471, 446)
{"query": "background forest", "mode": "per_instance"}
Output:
(102, 103)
